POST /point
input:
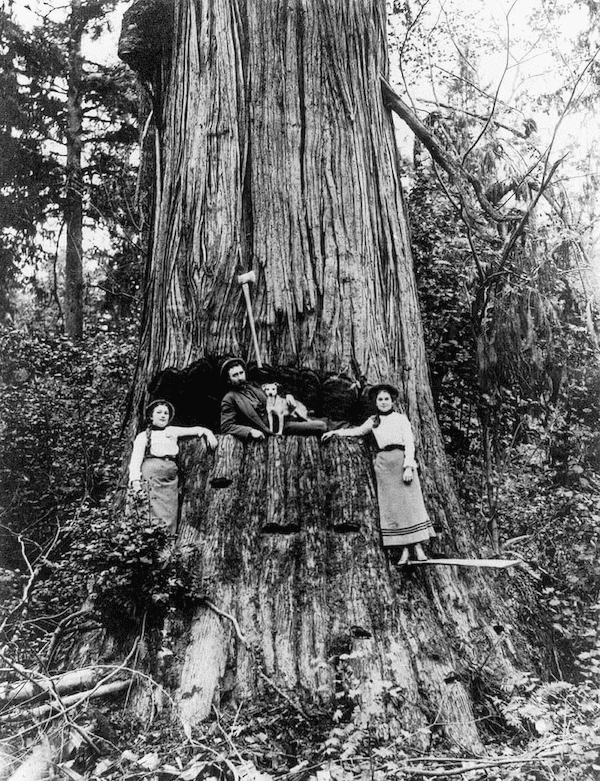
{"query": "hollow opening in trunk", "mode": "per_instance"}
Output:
(197, 390)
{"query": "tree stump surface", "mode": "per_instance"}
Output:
(289, 551)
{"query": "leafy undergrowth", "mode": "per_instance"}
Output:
(552, 521)
(61, 410)
(555, 735)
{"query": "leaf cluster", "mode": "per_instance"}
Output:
(559, 711)
(124, 564)
(61, 407)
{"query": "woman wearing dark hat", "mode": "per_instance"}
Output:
(153, 464)
(403, 518)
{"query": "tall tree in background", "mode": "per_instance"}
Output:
(275, 153)
(30, 177)
(73, 206)
(68, 126)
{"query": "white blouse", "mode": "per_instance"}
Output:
(393, 429)
(163, 442)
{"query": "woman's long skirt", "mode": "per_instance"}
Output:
(161, 483)
(402, 514)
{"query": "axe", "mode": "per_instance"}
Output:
(244, 280)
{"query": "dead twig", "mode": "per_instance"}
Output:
(59, 631)
(231, 618)
(444, 772)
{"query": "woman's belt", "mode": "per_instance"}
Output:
(391, 447)
(164, 458)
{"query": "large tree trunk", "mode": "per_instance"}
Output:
(277, 154)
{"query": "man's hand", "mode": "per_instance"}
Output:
(256, 433)
(327, 435)
(407, 475)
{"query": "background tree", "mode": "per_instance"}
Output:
(68, 122)
(23, 162)
(73, 209)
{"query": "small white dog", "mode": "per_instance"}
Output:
(278, 407)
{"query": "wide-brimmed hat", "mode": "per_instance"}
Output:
(228, 364)
(383, 386)
(157, 403)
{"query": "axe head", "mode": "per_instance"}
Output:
(249, 276)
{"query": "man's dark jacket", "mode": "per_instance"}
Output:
(239, 414)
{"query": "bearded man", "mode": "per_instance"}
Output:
(244, 406)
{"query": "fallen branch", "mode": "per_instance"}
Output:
(458, 173)
(17, 693)
(444, 772)
(446, 161)
(106, 690)
(36, 765)
(64, 705)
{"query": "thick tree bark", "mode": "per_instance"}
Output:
(73, 208)
(277, 154)
(301, 597)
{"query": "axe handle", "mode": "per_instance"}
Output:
(246, 289)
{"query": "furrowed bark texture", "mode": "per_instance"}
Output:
(319, 611)
(277, 154)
